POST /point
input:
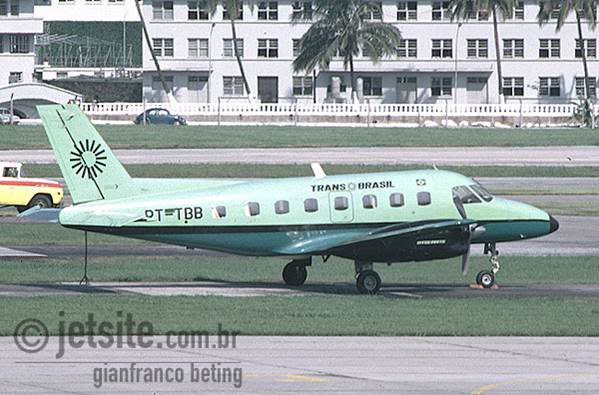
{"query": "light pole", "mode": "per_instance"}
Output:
(455, 66)
(210, 59)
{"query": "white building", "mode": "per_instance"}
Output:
(18, 27)
(440, 60)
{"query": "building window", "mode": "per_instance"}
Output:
(581, 88)
(375, 11)
(162, 10)
(9, 5)
(407, 48)
(268, 11)
(554, 12)
(481, 15)
(441, 86)
(233, 86)
(590, 46)
(396, 200)
(239, 11)
(513, 86)
(549, 48)
(15, 77)
(66, 1)
(424, 198)
(163, 47)
(20, 43)
(442, 49)
(341, 203)
(268, 48)
(93, 1)
(296, 47)
(282, 207)
(157, 84)
(311, 205)
(219, 212)
(407, 11)
(117, 1)
(441, 11)
(518, 12)
(197, 47)
(513, 48)
(369, 201)
(478, 48)
(549, 86)
(252, 209)
(228, 47)
(373, 86)
(197, 10)
(302, 9)
(303, 86)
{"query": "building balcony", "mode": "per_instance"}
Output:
(25, 25)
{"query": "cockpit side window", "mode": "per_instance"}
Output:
(10, 172)
(465, 195)
(482, 192)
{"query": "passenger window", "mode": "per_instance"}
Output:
(424, 198)
(465, 195)
(396, 200)
(311, 205)
(252, 209)
(219, 212)
(282, 207)
(10, 172)
(369, 201)
(341, 203)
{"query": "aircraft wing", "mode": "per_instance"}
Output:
(325, 243)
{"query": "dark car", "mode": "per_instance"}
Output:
(159, 116)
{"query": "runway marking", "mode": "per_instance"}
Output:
(490, 387)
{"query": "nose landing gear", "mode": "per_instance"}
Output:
(368, 281)
(295, 273)
(486, 278)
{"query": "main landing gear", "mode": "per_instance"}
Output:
(367, 280)
(486, 278)
(295, 273)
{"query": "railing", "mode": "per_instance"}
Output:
(438, 114)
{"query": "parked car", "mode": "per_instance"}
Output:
(24, 193)
(159, 116)
(5, 117)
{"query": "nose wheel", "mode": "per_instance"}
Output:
(486, 278)
(295, 272)
(368, 281)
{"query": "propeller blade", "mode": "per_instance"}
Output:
(465, 262)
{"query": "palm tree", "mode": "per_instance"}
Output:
(345, 28)
(463, 10)
(165, 87)
(583, 9)
(233, 8)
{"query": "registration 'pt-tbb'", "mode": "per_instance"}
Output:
(368, 218)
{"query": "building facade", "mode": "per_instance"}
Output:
(439, 60)
(18, 27)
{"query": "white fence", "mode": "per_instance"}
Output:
(326, 112)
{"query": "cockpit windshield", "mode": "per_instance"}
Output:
(482, 192)
(465, 195)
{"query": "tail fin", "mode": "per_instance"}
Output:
(90, 169)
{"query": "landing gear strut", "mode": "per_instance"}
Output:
(295, 273)
(486, 278)
(367, 280)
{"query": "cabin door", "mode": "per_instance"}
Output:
(341, 206)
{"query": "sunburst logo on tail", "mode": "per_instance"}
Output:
(88, 159)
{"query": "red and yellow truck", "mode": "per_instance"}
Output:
(24, 193)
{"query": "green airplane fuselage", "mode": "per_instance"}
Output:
(276, 216)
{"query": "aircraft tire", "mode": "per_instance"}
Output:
(478, 277)
(368, 282)
(295, 274)
(487, 279)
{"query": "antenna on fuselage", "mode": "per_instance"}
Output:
(317, 170)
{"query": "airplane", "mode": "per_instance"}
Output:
(369, 218)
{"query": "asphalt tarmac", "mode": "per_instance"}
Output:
(466, 156)
(314, 365)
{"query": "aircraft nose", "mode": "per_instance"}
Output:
(553, 224)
